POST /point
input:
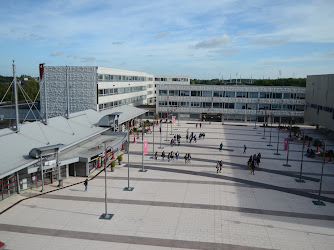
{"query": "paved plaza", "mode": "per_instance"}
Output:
(185, 206)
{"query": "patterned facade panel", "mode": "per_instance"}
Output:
(83, 89)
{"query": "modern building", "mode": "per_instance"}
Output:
(40, 154)
(226, 102)
(76, 88)
(320, 101)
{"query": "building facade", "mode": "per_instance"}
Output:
(71, 89)
(222, 102)
(320, 101)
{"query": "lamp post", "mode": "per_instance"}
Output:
(105, 215)
(287, 156)
(319, 202)
(279, 126)
(301, 162)
(142, 148)
(257, 105)
(128, 188)
(271, 125)
(264, 123)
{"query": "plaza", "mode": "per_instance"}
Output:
(185, 206)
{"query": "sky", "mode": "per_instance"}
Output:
(202, 39)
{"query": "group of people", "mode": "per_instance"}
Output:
(310, 153)
(200, 125)
(254, 161)
(219, 166)
(192, 136)
(187, 158)
(174, 139)
(170, 156)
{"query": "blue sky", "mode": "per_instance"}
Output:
(202, 39)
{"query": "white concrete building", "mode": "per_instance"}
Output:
(75, 88)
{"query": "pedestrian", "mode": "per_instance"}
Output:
(163, 155)
(258, 159)
(168, 157)
(160, 130)
(203, 136)
(172, 156)
(196, 125)
(245, 149)
(178, 141)
(185, 158)
(220, 146)
(217, 166)
(86, 184)
(177, 155)
(195, 138)
(200, 125)
(189, 157)
(220, 166)
(187, 137)
(252, 167)
(156, 155)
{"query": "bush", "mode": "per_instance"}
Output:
(120, 158)
(317, 142)
(113, 164)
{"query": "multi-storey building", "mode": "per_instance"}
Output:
(75, 88)
(320, 100)
(222, 102)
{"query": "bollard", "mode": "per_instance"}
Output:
(318, 148)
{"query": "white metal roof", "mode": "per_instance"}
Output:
(15, 147)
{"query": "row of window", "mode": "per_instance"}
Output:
(262, 95)
(220, 105)
(122, 102)
(118, 78)
(319, 107)
(115, 91)
(163, 79)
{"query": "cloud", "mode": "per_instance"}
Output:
(162, 35)
(56, 53)
(214, 42)
(265, 41)
(73, 56)
(226, 52)
(88, 59)
(117, 43)
(331, 54)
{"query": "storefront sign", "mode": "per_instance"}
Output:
(145, 147)
(286, 143)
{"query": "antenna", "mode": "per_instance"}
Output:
(16, 99)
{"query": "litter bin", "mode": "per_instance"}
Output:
(60, 183)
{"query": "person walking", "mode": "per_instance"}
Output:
(168, 157)
(156, 155)
(258, 159)
(185, 158)
(217, 166)
(196, 125)
(220, 146)
(220, 166)
(163, 155)
(200, 125)
(252, 167)
(86, 184)
(245, 149)
(189, 158)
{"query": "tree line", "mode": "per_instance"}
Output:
(30, 87)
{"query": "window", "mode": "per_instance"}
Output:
(217, 105)
(101, 92)
(162, 103)
(218, 93)
(172, 104)
(163, 92)
(265, 95)
(288, 96)
(287, 107)
(207, 105)
(299, 107)
(300, 96)
(173, 92)
(229, 105)
(251, 106)
(184, 93)
(195, 104)
(196, 93)
(253, 95)
(207, 93)
(242, 94)
(276, 107)
(277, 96)
(184, 104)
(230, 94)
(264, 106)
(240, 106)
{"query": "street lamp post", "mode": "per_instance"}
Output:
(128, 188)
(264, 123)
(319, 202)
(257, 105)
(142, 148)
(301, 162)
(271, 125)
(279, 126)
(105, 215)
(287, 156)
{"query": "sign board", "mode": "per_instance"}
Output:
(173, 120)
(286, 143)
(145, 147)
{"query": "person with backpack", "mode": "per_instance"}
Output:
(86, 184)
